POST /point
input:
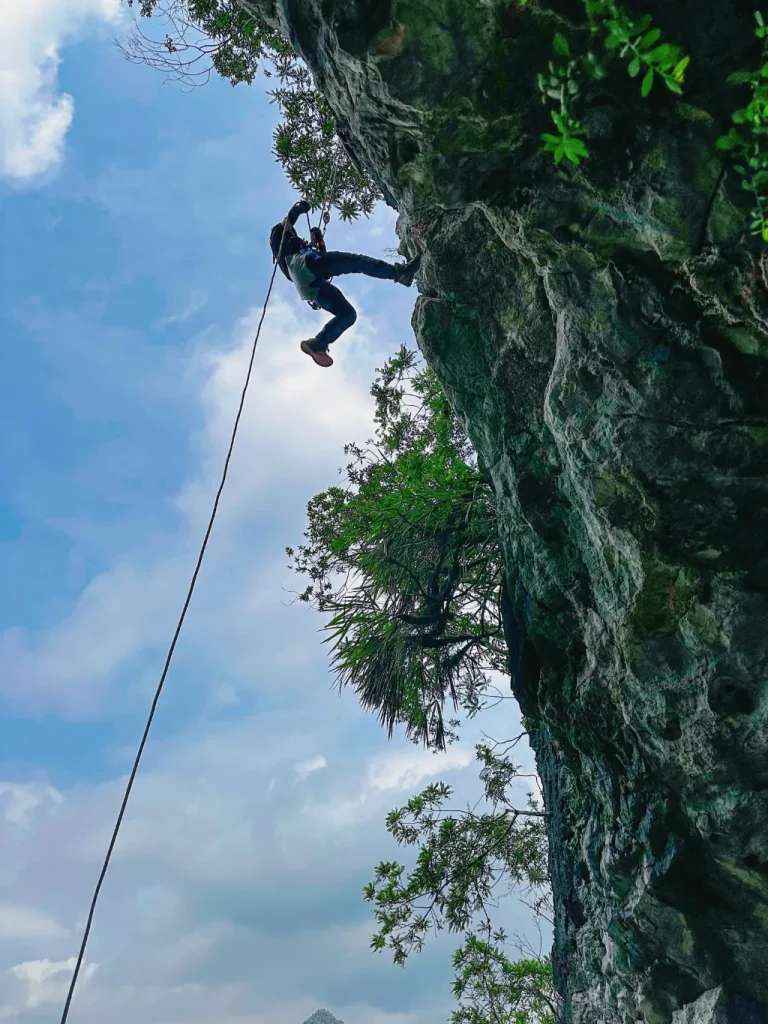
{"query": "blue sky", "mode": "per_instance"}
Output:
(134, 263)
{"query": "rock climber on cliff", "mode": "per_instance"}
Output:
(310, 267)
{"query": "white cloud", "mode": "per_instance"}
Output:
(392, 770)
(19, 923)
(68, 668)
(196, 302)
(46, 981)
(297, 417)
(296, 422)
(225, 899)
(19, 801)
(313, 764)
(406, 769)
(34, 118)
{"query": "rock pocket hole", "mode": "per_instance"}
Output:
(729, 696)
(671, 729)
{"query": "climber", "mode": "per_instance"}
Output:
(310, 267)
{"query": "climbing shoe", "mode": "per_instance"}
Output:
(405, 272)
(320, 355)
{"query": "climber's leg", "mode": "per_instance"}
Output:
(331, 299)
(333, 264)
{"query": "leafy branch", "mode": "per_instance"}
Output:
(636, 40)
(202, 36)
(492, 989)
(746, 139)
(561, 83)
(405, 559)
(467, 861)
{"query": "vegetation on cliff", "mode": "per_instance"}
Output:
(591, 41)
(198, 37)
(404, 559)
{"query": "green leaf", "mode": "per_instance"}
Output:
(612, 41)
(650, 38)
(560, 45)
(662, 53)
(647, 83)
(759, 18)
(679, 69)
(575, 150)
(634, 67)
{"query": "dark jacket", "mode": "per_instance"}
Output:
(292, 243)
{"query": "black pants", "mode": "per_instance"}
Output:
(330, 298)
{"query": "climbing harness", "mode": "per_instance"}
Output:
(172, 647)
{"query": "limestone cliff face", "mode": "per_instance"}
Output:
(605, 334)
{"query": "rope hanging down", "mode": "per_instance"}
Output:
(325, 205)
(171, 649)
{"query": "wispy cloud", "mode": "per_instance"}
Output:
(20, 802)
(34, 116)
(197, 301)
(19, 923)
(44, 982)
(225, 898)
(406, 769)
(295, 426)
(313, 764)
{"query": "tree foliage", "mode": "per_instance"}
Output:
(467, 863)
(226, 36)
(492, 989)
(746, 141)
(613, 37)
(405, 559)
(198, 37)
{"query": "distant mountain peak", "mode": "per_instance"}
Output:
(323, 1017)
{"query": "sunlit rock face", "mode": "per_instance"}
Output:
(604, 333)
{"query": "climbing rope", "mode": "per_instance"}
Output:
(325, 207)
(171, 649)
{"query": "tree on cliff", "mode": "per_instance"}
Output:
(190, 39)
(468, 862)
(405, 561)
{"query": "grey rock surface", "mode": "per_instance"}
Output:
(715, 1007)
(604, 333)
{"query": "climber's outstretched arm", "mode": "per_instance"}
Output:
(296, 211)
